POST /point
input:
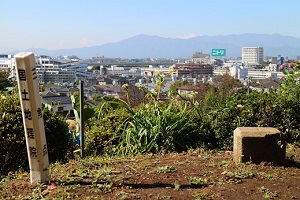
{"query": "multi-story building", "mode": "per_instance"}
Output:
(252, 56)
(61, 70)
(238, 72)
(54, 70)
(271, 67)
(50, 69)
(7, 63)
(194, 70)
(200, 57)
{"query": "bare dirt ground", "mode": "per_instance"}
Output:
(196, 174)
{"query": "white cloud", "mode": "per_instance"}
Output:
(187, 36)
(61, 43)
(84, 42)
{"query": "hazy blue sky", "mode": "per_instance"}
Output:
(56, 24)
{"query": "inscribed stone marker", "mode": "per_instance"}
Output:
(32, 117)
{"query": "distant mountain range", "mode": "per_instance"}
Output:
(147, 46)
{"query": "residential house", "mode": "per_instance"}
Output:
(61, 104)
(105, 80)
(103, 90)
(263, 85)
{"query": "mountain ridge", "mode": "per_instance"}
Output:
(151, 46)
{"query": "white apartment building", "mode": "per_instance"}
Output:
(54, 70)
(7, 63)
(252, 56)
(238, 72)
(271, 67)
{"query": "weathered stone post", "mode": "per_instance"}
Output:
(32, 117)
(259, 144)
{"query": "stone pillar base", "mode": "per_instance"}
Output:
(259, 144)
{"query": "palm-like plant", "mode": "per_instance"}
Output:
(155, 128)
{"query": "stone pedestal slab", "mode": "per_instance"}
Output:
(259, 144)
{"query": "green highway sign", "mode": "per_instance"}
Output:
(218, 52)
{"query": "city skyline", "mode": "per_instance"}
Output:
(75, 24)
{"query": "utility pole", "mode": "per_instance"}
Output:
(81, 119)
(248, 85)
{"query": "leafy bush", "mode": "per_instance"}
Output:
(58, 140)
(13, 152)
(12, 137)
(4, 81)
(159, 127)
(257, 109)
(104, 130)
(290, 94)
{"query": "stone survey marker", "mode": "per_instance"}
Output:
(32, 117)
(259, 144)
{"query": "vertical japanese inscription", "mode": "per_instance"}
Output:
(34, 75)
(25, 95)
(40, 113)
(33, 152)
(27, 114)
(30, 133)
(22, 75)
(32, 117)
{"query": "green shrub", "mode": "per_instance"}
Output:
(12, 137)
(156, 126)
(13, 152)
(103, 131)
(257, 109)
(59, 142)
(217, 125)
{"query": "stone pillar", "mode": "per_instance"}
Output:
(259, 144)
(33, 121)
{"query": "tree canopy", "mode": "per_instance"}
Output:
(4, 81)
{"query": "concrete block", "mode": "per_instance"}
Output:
(259, 144)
